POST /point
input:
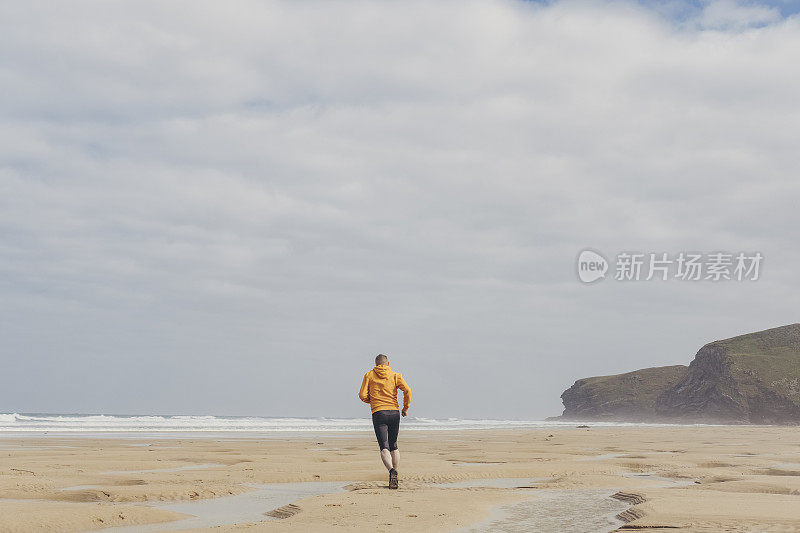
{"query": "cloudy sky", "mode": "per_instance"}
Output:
(231, 207)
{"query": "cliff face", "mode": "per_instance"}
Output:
(630, 396)
(753, 378)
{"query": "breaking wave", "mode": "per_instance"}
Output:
(16, 422)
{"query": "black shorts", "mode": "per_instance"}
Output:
(387, 425)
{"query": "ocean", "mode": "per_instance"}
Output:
(98, 423)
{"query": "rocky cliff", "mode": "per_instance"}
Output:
(753, 378)
(630, 396)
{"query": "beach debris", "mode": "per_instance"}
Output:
(22, 470)
(284, 511)
(629, 497)
(631, 513)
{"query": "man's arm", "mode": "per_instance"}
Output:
(403, 386)
(363, 394)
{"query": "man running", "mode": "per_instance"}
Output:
(379, 390)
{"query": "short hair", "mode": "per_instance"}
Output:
(381, 359)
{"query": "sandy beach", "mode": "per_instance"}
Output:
(692, 478)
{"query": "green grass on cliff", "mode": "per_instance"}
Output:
(773, 355)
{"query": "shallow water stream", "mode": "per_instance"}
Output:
(547, 510)
(242, 508)
(556, 510)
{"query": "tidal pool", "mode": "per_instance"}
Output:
(241, 508)
(556, 510)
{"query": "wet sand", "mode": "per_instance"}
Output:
(732, 478)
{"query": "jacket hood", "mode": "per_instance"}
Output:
(382, 371)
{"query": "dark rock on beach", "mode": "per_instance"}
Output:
(753, 378)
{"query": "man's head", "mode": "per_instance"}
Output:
(381, 360)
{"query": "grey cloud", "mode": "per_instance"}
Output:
(218, 209)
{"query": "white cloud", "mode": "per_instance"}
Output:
(736, 15)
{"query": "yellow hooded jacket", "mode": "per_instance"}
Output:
(379, 389)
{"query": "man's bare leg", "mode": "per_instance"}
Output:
(390, 458)
(395, 458)
(386, 457)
